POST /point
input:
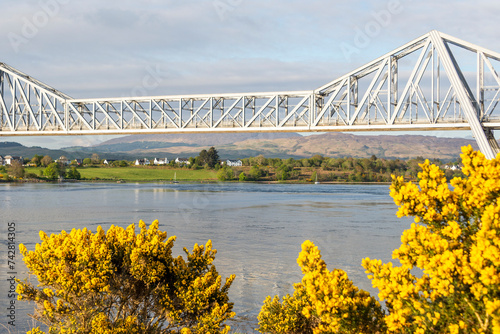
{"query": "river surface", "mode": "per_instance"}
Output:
(257, 229)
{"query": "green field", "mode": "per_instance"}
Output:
(140, 173)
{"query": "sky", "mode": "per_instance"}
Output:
(91, 49)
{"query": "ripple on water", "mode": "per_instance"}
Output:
(256, 228)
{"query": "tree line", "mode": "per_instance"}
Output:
(258, 168)
(326, 169)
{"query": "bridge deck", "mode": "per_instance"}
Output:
(419, 86)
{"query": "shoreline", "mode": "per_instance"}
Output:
(258, 175)
(206, 181)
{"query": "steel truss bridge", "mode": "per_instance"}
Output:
(435, 82)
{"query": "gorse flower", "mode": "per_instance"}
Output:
(455, 241)
(325, 302)
(448, 277)
(121, 281)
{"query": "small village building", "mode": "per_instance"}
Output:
(161, 161)
(452, 167)
(234, 163)
(63, 160)
(9, 159)
(182, 161)
(78, 162)
(142, 162)
(108, 161)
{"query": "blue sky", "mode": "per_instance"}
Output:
(106, 48)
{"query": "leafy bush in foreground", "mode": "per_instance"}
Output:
(121, 281)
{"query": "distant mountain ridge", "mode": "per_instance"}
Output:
(17, 149)
(211, 139)
(284, 145)
(241, 145)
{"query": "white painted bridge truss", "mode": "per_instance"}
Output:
(435, 82)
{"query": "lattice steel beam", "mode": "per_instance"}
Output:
(418, 86)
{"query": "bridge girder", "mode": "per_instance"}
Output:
(419, 86)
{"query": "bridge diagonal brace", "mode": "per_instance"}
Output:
(164, 113)
(107, 115)
(375, 99)
(239, 117)
(464, 96)
(380, 106)
(294, 110)
(411, 79)
(493, 104)
(56, 115)
(368, 90)
(228, 111)
(259, 112)
(71, 106)
(425, 105)
(330, 101)
(445, 106)
(27, 103)
(268, 116)
(196, 112)
(491, 68)
(5, 111)
(136, 114)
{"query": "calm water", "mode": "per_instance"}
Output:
(256, 228)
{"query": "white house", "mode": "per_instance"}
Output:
(142, 162)
(452, 167)
(108, 161)
(234, 163)
(182, 161)
(8, 159)
(161, 161)
(63, 160)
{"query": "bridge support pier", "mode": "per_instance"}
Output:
(495, 148)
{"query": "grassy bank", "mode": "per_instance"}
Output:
(259, 174)
(136, 174)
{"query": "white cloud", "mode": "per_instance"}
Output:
(101, 48)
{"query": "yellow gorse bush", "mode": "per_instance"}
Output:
(325, 302)
(455, 241)
(448, 276)
(121, 281)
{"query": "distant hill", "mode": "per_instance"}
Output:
(9, 144)
(360, 146)
(16, 149)
(197, 139)
(241, 145)
(284, 145)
